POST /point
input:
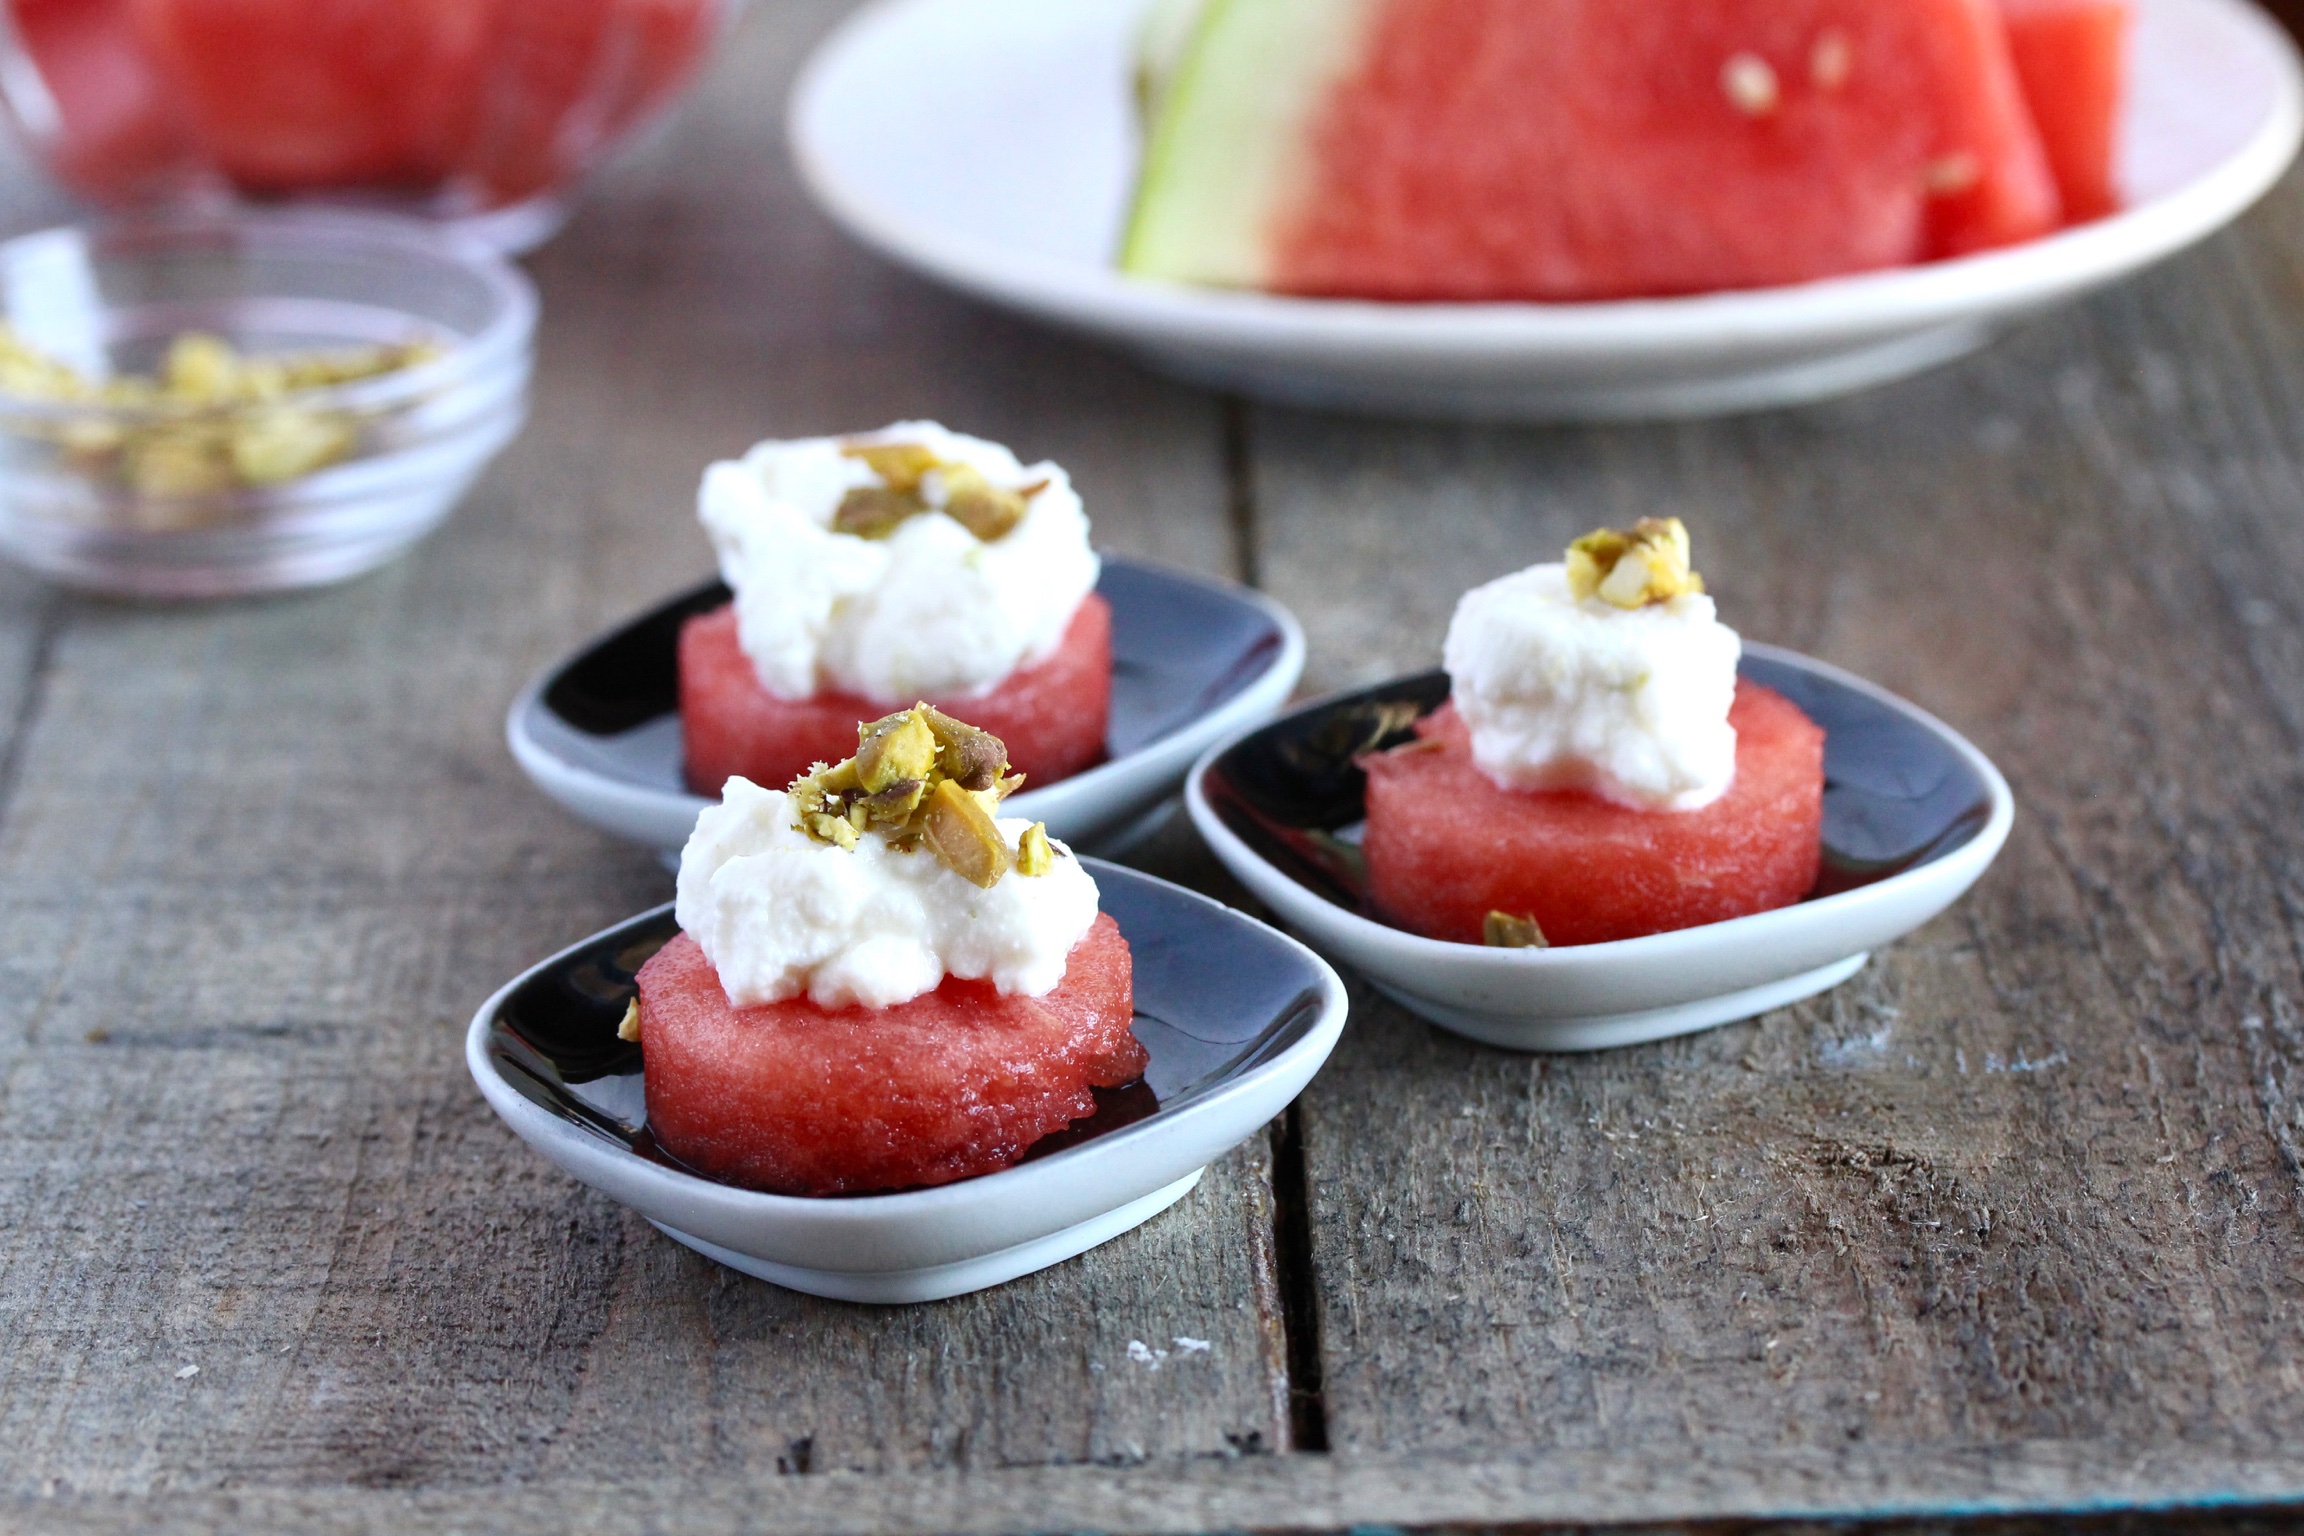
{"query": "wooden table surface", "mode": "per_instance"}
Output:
(2012, 1221)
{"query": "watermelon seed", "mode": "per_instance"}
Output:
(1750, 83)
(1949, 174)
(1831, 60)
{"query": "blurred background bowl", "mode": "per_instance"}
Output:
(109, 300)
(484, 113)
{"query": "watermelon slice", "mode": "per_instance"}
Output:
(2072, 56)
(1051, 715)
(800, 1100)
(1578, 149)
(1446, 847)
(284, 94)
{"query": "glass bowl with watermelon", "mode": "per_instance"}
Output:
(1660, 210)
(1911, 815)
(483, 112)
(1231, 1018)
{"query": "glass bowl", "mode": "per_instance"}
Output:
(400, 447)
(481, 112)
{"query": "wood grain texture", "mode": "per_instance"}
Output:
(262, 859)
(2033, 1177)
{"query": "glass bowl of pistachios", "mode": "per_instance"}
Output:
(204, 406)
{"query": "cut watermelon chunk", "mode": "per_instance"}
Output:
(800, 1100)
(2072, 56)
(1051, 715)
(1446, 847)
(312, 93)
(1579, 149)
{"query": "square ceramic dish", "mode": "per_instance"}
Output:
(1913, 814)
(1236, 1016)
(1193, 661)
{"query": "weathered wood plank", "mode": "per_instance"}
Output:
(262, 860)
(2032, 1179)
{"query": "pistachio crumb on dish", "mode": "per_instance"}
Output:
(1650, 564)
(1501, 930)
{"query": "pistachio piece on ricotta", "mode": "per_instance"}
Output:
(892, 751)
(965, 838)
(900, 466)
(875, 511)
(975, 757)
(919, 777)
(1033, 855)
(1650, 564)
(1501, 930)
(978, 505)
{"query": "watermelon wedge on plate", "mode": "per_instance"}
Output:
(995, 146)
(1578, 149)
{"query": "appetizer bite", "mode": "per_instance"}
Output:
(1599, 771)
(910, 563)
(879, 984)
(1344, 148)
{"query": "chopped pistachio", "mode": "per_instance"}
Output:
(902, 783)
(1033, 855)
(201, 368)
(895, 749)
(223, 424)
(961, 492)
(1501, 930)
(963, 834)
(900, 466)
(178, 459)
(875, 511)
(978, 505)
(630, 1028)
(1650, 564)
(282, 443)
(975, 757)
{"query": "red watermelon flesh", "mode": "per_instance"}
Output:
(2072, 56)
(616, 59)
(1587, 149)
(800, 1100)
(120, 133)
(1051, 714)
(285, 94)
(1446, 847)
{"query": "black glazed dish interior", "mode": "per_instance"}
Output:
(1896, 793)
(1216, 998)
(1181, 647)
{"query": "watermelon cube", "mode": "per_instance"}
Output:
(2072, 56)
(1446, 847)
(1051, 714)
(1577, 150)
(800, 1100)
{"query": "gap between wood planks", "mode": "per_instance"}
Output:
(39, 662)
(1307, 1425)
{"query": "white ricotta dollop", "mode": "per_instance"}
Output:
(1559, 693)
(931, 611)
(779, 914)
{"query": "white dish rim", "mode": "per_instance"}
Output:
(1392, 950)
(1895, 301)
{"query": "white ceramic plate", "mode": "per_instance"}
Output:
(1235, 1016)
(1193, 661)
(1913, 814)
(991, 145)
